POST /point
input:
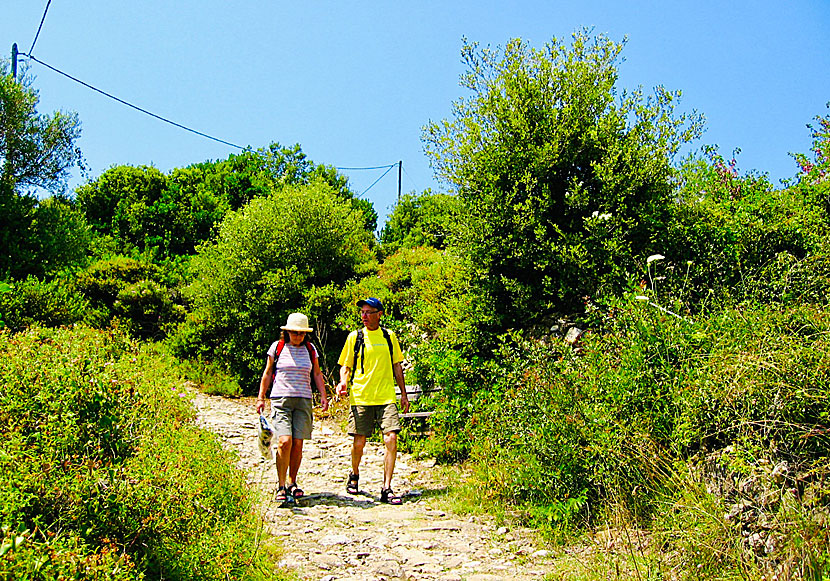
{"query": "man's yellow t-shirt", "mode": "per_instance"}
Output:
(376, 384)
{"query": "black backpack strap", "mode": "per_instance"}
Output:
(389, 342)
(358, 347)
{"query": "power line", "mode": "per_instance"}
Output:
(373, 167)
(137, 108)
(31, 50)
(388, 169)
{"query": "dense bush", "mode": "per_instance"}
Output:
(131, 293)
(37, 151)
(163, 216)
(264, 260)
(572, 434)
(102, 473)
(50, 303)
(731, 228)
(421, 220)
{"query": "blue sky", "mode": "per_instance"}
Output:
(354, 82)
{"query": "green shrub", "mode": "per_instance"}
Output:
(103, 474)
(264, 260)
(613, 417)
(131, 292)
(50, 303)
(733, 228)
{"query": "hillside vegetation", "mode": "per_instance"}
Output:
(104, 474)
(630, 344)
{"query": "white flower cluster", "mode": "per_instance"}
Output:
(601, 217)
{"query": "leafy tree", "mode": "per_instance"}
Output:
(60, 236)
(36, 152)
(565, 184)
(265, 258)
(167, 215)
(424, 219)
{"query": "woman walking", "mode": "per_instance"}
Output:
(292, 363)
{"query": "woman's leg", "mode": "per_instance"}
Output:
(284, 454)
(296, 460)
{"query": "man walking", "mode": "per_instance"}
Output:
(372, 358)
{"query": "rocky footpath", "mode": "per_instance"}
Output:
(331, 535)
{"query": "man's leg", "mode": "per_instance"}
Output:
(358, 443)
(390, 440)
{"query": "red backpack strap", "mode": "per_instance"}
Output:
(312, 352)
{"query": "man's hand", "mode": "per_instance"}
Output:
(260, 405)
(342, 388)
(404, 402)
(324, 404)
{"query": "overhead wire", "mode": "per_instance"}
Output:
(37, 34)
(29, 55)
(377, 180)
(136, 107)
(390, 166)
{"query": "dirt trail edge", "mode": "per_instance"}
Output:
(331, 535)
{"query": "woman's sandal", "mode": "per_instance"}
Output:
(282, 495)
(295, 490)
(351, 484)
(389, 497)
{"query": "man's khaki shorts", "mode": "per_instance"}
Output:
(292, 416)
(364, 418)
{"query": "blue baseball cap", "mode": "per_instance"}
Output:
(372, 302)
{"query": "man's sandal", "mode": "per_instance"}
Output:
(295, 490)
(351, 484)
(389, 497)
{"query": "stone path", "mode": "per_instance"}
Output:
(331, 535)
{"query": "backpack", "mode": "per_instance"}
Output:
(360, 347)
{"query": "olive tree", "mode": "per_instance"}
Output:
(36, 153)
(565, 180)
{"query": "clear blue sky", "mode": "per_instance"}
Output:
(354, 82)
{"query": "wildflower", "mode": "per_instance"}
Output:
(654, 257)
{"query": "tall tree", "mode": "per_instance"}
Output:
(36, 152)
(565, 183)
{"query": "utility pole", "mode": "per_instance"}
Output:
(400, 167)
(14, 67)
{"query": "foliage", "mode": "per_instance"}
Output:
(167, 215)
(36, 152)
(731, 228)
(103, 474)
(61, 236)
(611, 423)
(421, 220)
(563, 187)
(814, 179)
(264, 259)
(50, 303)
(131, 293)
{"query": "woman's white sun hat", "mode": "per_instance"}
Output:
(297, 322)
